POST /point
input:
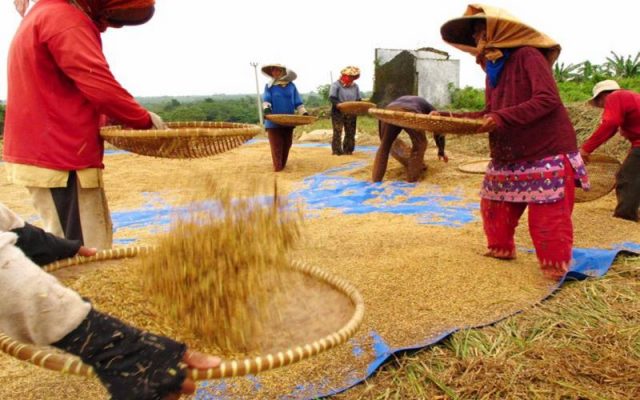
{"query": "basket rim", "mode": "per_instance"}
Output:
(66, 363)
(461, 166)
(424, 117)
(237, 129)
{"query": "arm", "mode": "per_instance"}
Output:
(544, 95)
(78, 52)
(43, 247)
(266, 100)
(333, 94)
(611, 121)
(440, 143)
(297, 102)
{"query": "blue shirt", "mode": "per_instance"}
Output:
(283, 99)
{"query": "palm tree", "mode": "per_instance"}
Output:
(622, 67)
(563, 73)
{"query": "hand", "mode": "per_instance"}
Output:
(585, 156)
(87, 251)
(305, 113)
(157, 121)
(435, 113)
(194, 359)
(443, 157)
(266, 111)
(21, 6)
(488, 124)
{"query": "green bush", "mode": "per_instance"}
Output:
(468, 98)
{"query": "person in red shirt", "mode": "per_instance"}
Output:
(534, 154)
(59, 85)
(621, 111)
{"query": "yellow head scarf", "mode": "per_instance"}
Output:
(503, 31)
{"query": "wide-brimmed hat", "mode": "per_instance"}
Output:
(351, 71)
(266, 69)
(603, 86)
(503, 31)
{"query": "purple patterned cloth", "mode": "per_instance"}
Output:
(538, 181)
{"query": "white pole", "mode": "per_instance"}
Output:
(331, 78)
(255, 69)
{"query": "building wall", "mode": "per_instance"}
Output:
(434, 78)
(435, 72)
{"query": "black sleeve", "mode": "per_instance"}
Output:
(131, 364)
(440, 142)
(43, 247)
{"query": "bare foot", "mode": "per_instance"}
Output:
(501, 254)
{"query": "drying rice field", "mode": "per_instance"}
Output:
(415, 252)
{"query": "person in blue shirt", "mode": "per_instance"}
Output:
(280, 97)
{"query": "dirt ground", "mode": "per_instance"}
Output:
(417, 275)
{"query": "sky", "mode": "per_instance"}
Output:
(204, 47)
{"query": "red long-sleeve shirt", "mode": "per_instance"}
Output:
(532, 121)
(59, 84)
(621, 110)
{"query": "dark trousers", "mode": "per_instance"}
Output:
(413, 161)
(348, 122)
(67, 205)
(628, 187)
(280, 140)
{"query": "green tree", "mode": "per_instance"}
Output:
(1, 120)
(623, 67)
(323, 91)
(563, 73)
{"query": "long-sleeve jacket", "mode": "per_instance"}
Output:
(34, 306)
(283, 100)
(621, 110)
(532, 121)
(59, 85)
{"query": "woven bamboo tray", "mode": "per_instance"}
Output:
(424, 122)
(601, 170)
(55, 360)
(291, 119)
(183, 139)
(474, 167)
(355, 107)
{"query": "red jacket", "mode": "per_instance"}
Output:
(532, 121)
(621, 110)
(59, 84)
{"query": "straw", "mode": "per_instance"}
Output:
(54, 360)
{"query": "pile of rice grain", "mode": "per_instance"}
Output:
(214, 271)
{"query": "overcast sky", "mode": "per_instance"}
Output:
(201, 47)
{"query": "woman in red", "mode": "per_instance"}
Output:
(59, 86)
(534, 156)
(621, 111)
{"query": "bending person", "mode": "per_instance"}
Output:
(413, 158)
(621, 111)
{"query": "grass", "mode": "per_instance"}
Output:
(583, 343)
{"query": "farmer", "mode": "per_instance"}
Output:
(412, 159)
(280, 97)
(534, 155)
(621, 111)
(344, 89)
(35, 308)
(59, 85)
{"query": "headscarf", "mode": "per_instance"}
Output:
(504, 31)
(116, 13)
(287, 77)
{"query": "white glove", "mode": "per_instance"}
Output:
(301, 110)
(157, 121)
